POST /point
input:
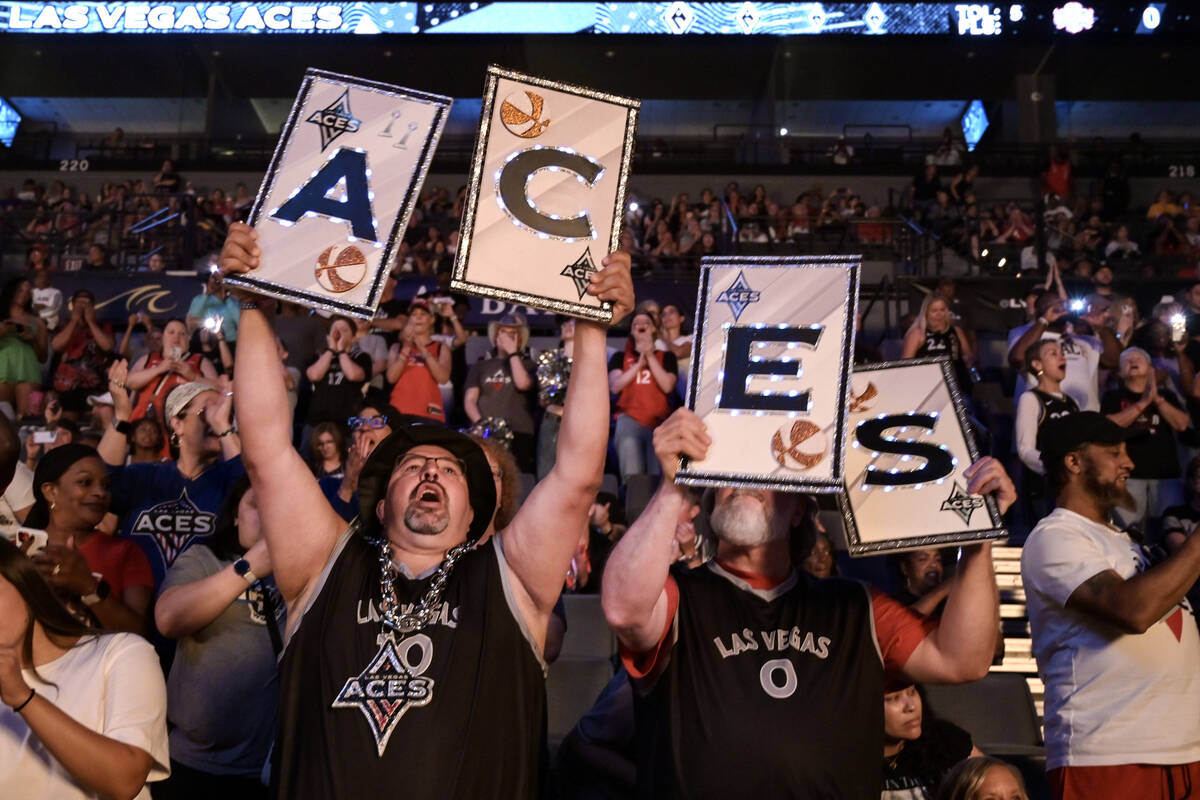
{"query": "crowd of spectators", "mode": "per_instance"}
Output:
(130, 455)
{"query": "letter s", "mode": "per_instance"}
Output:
(938, 462)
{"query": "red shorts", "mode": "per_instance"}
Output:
(1126, 782)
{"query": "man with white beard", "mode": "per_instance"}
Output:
(754, 679)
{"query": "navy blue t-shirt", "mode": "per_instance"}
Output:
(164, 512)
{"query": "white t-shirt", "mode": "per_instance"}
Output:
(48, 302)
(1111, 698)
(17, 496)
(112, 684)
(1083, 367)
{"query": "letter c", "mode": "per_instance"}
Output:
(512, 190)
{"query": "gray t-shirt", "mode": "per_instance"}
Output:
(498, 397)
(223, 688)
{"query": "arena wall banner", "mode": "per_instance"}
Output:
(546, 194)
(771, 370)
(908, 445)
(338, 193)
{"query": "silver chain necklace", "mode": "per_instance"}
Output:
(426, 611)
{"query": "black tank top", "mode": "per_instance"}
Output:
(945, 343)
(766, 694)
(1051, 407)
(940, 343)
(468, 720)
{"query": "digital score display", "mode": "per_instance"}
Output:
(1071, 18)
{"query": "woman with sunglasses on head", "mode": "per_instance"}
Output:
(222, 606)
(82, 714)
(104, 581)
(167, 507)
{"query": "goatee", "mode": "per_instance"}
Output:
(743, 523)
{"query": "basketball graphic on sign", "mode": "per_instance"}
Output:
(521, 113)
(863, 394)
(799, 446)
(341, 267)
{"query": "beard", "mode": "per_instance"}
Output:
(426, 522)
(1108, 492)
(741, 522)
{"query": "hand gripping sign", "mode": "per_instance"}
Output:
(546, 194)
(341, 185)
(770, 374)
(908, 444)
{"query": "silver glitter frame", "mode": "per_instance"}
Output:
(411, 195)
(693, 475)
(854, 541)
(458, 281)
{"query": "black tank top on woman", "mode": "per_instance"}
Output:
(1051, 407)
(945, 343)
(457, 710)
(766, 693)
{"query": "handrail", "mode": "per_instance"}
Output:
(870, 127)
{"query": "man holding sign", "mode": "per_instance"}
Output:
(413, 659)
(754, 679)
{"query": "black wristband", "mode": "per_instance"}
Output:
(123, 427)
(17, 709)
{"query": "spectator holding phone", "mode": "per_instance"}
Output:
(214, 301)
(101, 579)
(154, 375)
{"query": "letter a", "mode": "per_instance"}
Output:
(350, 166)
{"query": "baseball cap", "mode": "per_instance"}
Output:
(183, 394)
(1067, 434)
(373, 481)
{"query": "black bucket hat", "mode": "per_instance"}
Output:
(373, 482)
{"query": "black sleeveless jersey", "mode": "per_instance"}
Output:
(1051, 407)
(457, 710)
(766, 693)
(940, 343)
(945, 343)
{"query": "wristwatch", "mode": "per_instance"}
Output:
(242, 568)
(100, 594)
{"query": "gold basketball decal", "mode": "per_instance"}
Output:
(521, 113)
(863, 394)
(341, 267)
(799, 446)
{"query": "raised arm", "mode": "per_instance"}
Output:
(541, 539)
(634, 593)
(299, 525)
(961, 648)
(1132, 605)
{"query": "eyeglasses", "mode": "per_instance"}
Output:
(354, 423)
(448, 465)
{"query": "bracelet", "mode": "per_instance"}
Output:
(223, 434)
(248, 305)
(1045, 322)
(17, 709)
